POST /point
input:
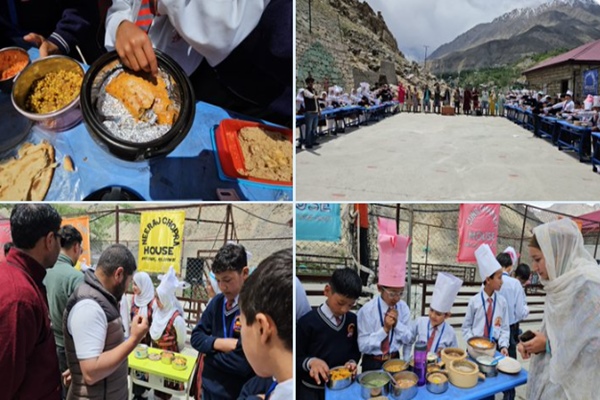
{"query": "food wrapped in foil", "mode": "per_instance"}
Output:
(117, 117)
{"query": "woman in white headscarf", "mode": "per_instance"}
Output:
(168, 329)
(565, 353)
(142, 302)
(168, 325)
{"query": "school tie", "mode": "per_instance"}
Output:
(338, 320)
(145, 16)
(430, 341)
(385, 344)
(229, 305)
(488, 318)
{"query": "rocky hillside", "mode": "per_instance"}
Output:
(345, 42)
(521, 33)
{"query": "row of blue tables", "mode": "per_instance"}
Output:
(371, 113)
(561, 133)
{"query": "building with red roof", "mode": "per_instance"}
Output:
(575, 70)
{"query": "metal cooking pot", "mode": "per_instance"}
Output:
(181, 93)
(373, 384)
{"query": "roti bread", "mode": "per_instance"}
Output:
(28, 176)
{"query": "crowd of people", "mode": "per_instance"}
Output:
(241, 64)
(68, 334)
(332, 335)
(310, 104)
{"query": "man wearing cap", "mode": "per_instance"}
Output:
(487, 312)
(384, 322)
(433, 329)
(312, 112)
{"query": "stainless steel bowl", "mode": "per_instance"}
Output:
(404, 393)
(373, 384)
(440, 387)
(487, 365)
(60, 120)
(7, 84)
(394, 366)
(340, 383)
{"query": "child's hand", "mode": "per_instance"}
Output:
(351, 365)
(391, 317)
(135, 48)
(504, 351)
(319, 369)
(46, 47)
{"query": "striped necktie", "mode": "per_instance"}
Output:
(145, 16)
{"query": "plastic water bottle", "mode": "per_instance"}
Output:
(421, 362)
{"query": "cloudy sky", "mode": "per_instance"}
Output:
(416, 23)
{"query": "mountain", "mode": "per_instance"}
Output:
(520, 33)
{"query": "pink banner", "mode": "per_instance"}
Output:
(5, 237)
(477, 224)
(392, 254)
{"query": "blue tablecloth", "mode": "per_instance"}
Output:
(482, 389)
(188, 173)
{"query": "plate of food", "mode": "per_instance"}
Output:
(255, 152)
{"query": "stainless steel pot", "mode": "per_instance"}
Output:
(373, 384)
(60, 120)
(404, 392)
(437, 382)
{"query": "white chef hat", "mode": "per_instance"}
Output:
(513, 255)
(569, 93)
(445, 292)
(486, 261)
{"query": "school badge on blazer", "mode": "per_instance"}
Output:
(237, 325)
(351, 330)
(498, 321)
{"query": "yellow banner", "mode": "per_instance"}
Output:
(161, 241)
(82, 224)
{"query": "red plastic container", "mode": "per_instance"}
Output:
(230, 151)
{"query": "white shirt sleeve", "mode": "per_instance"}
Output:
(214, 28)
(370, 331)
(467, 326)
(88, 325)
(119, 11)
(180, 328)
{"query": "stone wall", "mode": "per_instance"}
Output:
(550, 79)
(320, 51)
(330, 49)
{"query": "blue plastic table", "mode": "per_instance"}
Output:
(572, 137)
(190, 172)
(491, 386)
(547, 128)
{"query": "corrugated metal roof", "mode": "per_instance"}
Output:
(589, 52)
